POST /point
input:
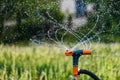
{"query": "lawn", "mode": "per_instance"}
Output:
(49, 62)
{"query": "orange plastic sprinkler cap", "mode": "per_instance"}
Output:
(75, 71)
(86, 52)
(69, 53)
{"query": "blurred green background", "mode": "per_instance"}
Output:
(21, 19)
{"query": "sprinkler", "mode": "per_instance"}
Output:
(76, 54)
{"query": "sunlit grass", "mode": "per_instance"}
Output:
(49, 63)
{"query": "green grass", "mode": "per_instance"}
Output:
(50, 63)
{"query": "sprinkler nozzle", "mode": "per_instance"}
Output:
(69, 53)
(86, 52)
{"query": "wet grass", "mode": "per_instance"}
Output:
(50, 63)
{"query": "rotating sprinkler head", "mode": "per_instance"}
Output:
(77, 52)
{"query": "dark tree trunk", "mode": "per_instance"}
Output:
(1, 26)
(18, 20)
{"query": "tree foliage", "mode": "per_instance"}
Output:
(109, 21)
(30, 16)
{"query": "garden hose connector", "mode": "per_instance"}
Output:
(75, 71)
